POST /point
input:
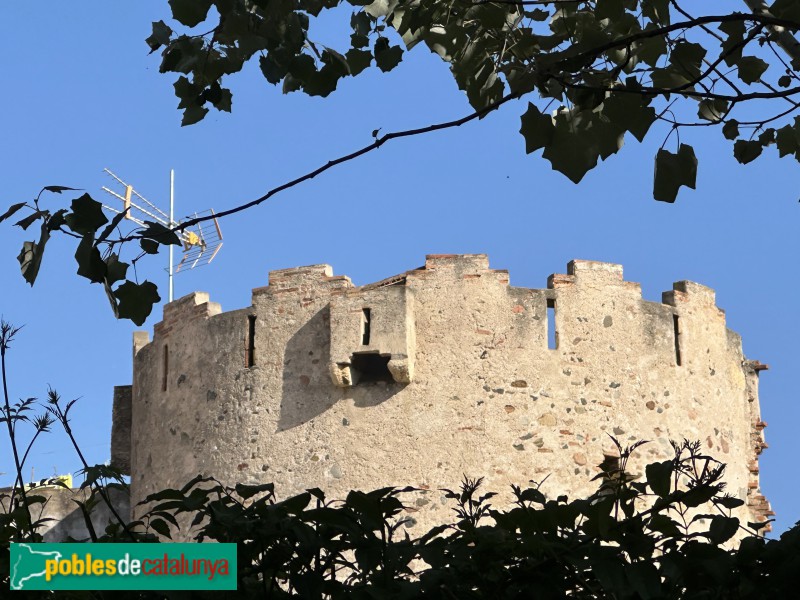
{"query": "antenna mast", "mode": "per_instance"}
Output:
(171, 220)
(201, 242)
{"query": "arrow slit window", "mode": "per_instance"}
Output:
(552, 332)
(366, 318)
(250, 342)
(165, 369)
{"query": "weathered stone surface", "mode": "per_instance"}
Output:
(446, 374)
(121, 429)
(62, 517)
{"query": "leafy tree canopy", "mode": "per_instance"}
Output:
(594, 71)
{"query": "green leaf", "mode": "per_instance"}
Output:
(712, 109)
(759, 525)
(629, 112)
(90, 263)
(611, 575)
(57, 189)
(116, 270)
(787, 140)
(336, 61)
(729, 502)
(376, 8)
(361, 23)
(387, 57)
(296, 504)
(30, 257)
(160, 36)
(732, 45)
(31, 219)
(246, 491)
(536, 128)
(359, 41)
(149, 246)
(160, 526)
(731, 129)
(657, 11)
(669, 78)
(220, 97)
(320, 83)
(644, 579)
(160, 233)
(746, 151)
(722, 528)
(664, 524)
(86, 216)
(186, 91)
(11, 210)
(166, 494)
(57, 220)
(225, 101)
(659, 477)
(650, 50)
(572, 150)
(751, 68)
(537, 14)
(672, 171)
(358, 60)
(687, 58)
(136, 300)
(607, 136)
(302, 67)
(607, 9)
(532, 495)
(193, 114)
(272, 72)
(190, 12)
(698, 495)
(111, 226)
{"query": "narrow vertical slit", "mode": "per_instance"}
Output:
(365, 326)
(166, 369)
(677, 332)
(250, 342)
(552, 334)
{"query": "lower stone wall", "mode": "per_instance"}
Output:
(66, 519)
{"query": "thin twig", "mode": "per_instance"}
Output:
(6, 336)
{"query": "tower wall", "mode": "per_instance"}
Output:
(439, 372)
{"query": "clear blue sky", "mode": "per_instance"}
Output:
(81, 93)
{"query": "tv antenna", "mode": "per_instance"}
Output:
(201, 242)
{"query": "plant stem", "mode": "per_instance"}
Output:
(7, 333)
(98, 488)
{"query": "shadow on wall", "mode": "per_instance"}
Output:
(373, 393)
(67, 519)
(308, 390)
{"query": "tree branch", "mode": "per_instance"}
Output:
(379, 141)
(783, 38)
(764, 19)
(653, 91)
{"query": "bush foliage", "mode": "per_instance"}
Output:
(668, 534)
(671, 532)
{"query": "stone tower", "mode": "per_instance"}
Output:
(438, 372)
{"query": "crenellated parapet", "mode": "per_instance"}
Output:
(435, 372)
(299, 280)
(185, 311)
